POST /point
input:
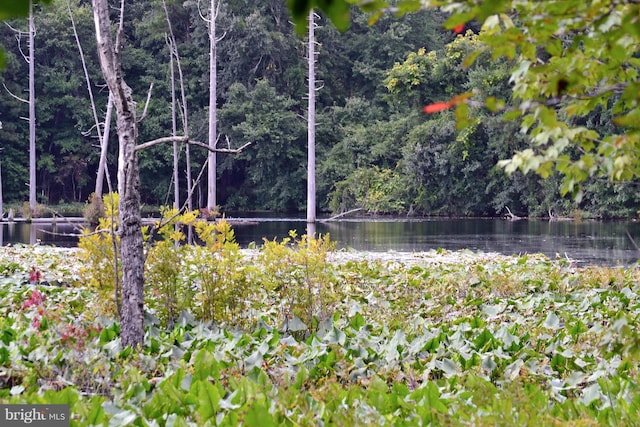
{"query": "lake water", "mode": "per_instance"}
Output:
(587, 242)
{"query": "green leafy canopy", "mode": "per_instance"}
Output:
(571, 59)
(14, 9)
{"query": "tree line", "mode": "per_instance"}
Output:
(375, 147)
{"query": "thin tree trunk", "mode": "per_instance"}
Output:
(32, 114)
(173, 51)
(1, 199)
(174, 132)
(311, 127)
(185, 121)
(130, 230)
(103, 141)
(104, 148)
(213, 133)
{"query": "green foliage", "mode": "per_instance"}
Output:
(338, 12)
(552, 97)
(224, 288)
(437, 338)
(368, 117)
(94, 209)
(275, 178)
(378, 191)
(168, 292)
(15, 9)
(28, 214)
(297, 276)
(99, 262)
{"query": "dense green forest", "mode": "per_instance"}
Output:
(376, 149)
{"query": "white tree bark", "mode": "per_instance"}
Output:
(104, 148)
(32, 114)
(213, 132)
(174, 132)
(311, 126)
(174, 123)
(185, 121)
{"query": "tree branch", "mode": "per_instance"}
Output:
(185, 139)
(14, 96)
(340, 215)
(146, 104)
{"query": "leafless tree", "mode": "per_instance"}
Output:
(30, 59)
(311, 126)
(103, 138)
(214, 8)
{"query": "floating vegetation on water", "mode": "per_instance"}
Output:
(329, 337)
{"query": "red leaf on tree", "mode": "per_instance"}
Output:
(436, 107)
(458, 28)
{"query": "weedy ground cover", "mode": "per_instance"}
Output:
(296, 333)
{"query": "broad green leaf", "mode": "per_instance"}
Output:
(254, 360)
(14, 9)
(512, 115)
(489, 8)
(96, 415)
(295, 325)
(335, 336)
(493, 310)
(208, 401)
(488, 364)
(484, 340)
(590, 394)
(124, 417)
(458, 19)
(372, 5)
(448, 366)
(512, 371)
(470, 59)
(175, 420)
(407, 6)
(357, 321)
(375, 17)
(552, 321)
(205, 366)
(259, 415)
(432, 398)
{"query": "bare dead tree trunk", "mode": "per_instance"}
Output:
(174, 132)
(1, 199)
(173, 51)
(130, 230)
(185, 119)
(32, 114)
(311, 126)
(107, 123)
(104, 148)
(213, 132)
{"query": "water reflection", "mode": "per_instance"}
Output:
(589, 242)
(31, 233)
